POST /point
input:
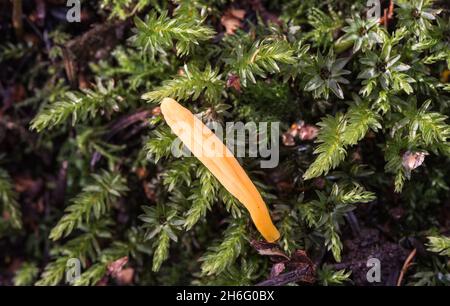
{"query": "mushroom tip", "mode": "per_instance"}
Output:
(273, 237)
(167, 103)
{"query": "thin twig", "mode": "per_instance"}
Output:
(388, 14)
(17, 18)
(406, 265)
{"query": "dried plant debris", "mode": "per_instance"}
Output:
(286, 269)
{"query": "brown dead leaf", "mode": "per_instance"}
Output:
(412, 160)
(287, 139)
(232, 20)
(121, 275)
(269, 249)
(234, 81)
(308, 132)
(156, 111)
(239, 14)
(300, 257)
(116, 266)
(301, 130)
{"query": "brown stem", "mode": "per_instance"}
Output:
(388, 14)
(406, 265)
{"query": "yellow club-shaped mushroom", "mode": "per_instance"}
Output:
(211, 151)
